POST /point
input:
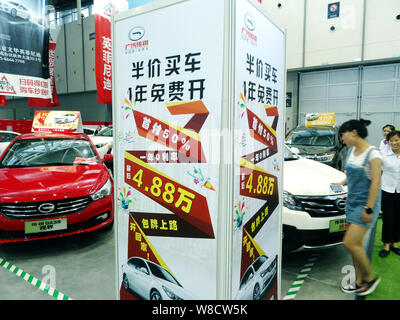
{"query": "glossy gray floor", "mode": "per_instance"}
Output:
(83, 268)
(329, 267)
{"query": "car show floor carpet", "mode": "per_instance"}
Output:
(387, 268)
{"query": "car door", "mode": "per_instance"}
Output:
(142, 276)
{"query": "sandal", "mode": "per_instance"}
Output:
(368, 287)
(351, 288)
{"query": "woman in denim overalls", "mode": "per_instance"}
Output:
(363, 201)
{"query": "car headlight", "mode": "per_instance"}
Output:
(103, 192)
(263, 273)
(171, 294)
(100, 145)
(291, 202)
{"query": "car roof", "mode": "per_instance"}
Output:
(6, 131)
(316, 127)
(51, 135)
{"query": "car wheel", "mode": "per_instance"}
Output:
(256, 292)
(125, 281)
(155, 295)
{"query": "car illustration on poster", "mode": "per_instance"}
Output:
(14, 9)
(257, 278)
(151, 281)
(53, 185)
(66, 118)
(312, 116)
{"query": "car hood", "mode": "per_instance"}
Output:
(309, 177)
(50, 183)
(313, 149)
(101, 139)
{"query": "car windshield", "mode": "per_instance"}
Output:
(106, 132)
(161, 273)
(49, 152)
(311, 137)
(257, 264)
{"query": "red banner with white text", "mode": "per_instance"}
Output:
(104, 9)
(3, 101)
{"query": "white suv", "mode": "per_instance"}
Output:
(313, 216)
(103, 141)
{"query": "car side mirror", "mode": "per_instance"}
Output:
(108, 157)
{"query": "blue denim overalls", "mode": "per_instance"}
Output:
(358, 185)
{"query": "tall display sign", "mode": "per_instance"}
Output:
(260, 99)
(171, 109)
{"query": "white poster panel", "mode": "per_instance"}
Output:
(167, 114)
(259, 94)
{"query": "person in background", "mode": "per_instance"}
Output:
(383, 146)
(391, 195)
(98, 129)
(363, 178)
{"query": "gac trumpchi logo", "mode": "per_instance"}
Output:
(136, 33)
(341, 204)
(249, 22)
(46, 207)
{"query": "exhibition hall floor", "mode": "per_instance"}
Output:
(83, 268)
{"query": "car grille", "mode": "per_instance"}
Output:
(34, 210)
(328, 206)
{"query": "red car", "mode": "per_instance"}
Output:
(53, 185)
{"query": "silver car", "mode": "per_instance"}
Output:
(151, 281)
(14, 9)
(257, 278)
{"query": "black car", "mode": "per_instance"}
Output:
(320, 143)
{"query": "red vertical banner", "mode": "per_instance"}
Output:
(3, 101)
(103, 54)
(53, 101)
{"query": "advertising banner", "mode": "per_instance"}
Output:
(103, 10)
(320, 119)
(57, 121)
(3, 101)
(260, 101)
(53, 101)
(167, 116)
(24, 49)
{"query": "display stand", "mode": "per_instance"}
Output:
(198, 112)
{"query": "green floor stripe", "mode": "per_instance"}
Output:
(33, 281)
(297, 284)
(387, 268)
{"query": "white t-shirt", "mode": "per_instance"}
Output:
(359, 160)
(384, 147)
(390, 172)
